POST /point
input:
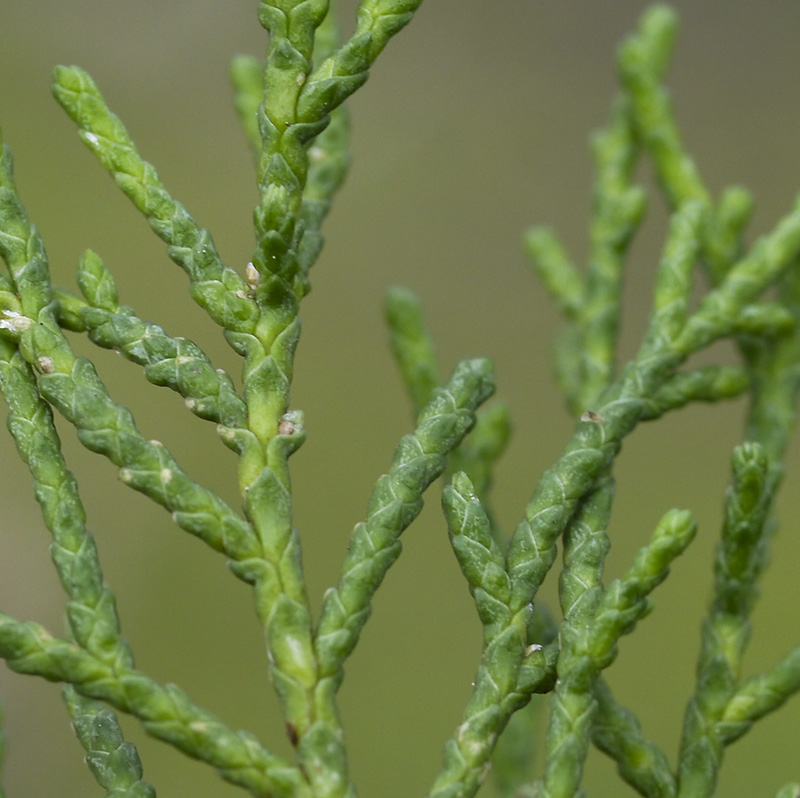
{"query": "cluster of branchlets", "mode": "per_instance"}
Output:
(291, 109)
(573, 500)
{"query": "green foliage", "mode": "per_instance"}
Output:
(291, 108)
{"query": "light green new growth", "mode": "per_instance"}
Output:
(291, 109)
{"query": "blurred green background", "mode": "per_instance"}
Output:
(473, 126)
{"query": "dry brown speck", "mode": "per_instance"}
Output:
(285, 427)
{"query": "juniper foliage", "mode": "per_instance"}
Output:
(292, 108)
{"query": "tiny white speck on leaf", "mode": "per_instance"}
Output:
(14, 321)
(285, 428)
(290, 422)
(225, 432)
(46, 364)
(252, 275)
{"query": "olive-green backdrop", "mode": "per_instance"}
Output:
(473, 126)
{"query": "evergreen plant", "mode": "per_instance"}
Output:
(292, 105)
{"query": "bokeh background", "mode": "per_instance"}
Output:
(473, 126)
